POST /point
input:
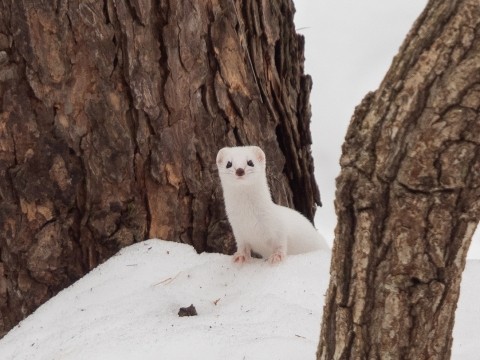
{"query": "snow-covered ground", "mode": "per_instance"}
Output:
(127, 309)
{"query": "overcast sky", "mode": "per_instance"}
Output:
(349, 47)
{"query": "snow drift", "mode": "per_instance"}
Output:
(128, 307)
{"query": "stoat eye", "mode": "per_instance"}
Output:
(250, 163)
(229, 164)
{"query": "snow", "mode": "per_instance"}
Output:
(127, 309)
(467, 318)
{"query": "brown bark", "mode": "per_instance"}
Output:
(408, 197)
(111, 114)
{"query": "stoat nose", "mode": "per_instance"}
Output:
(240, 172)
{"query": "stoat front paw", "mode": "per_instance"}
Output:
(277, 257)
(240, 257)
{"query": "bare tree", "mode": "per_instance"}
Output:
(111, 114)
(408, 196)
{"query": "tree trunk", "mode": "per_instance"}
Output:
(111, 115)
(408, 197)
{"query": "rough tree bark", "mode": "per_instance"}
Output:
(111, 114)
(408, 196)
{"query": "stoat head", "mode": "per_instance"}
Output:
(242, 165)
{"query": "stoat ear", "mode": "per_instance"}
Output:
(221, 155)
(259, 154)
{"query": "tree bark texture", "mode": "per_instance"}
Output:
(111, 115)
(408, 196)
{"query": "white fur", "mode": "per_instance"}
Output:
(259, 224)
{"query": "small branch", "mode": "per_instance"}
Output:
(167, 280)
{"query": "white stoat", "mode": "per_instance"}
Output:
(258, 224)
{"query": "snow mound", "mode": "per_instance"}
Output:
(127, 308)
